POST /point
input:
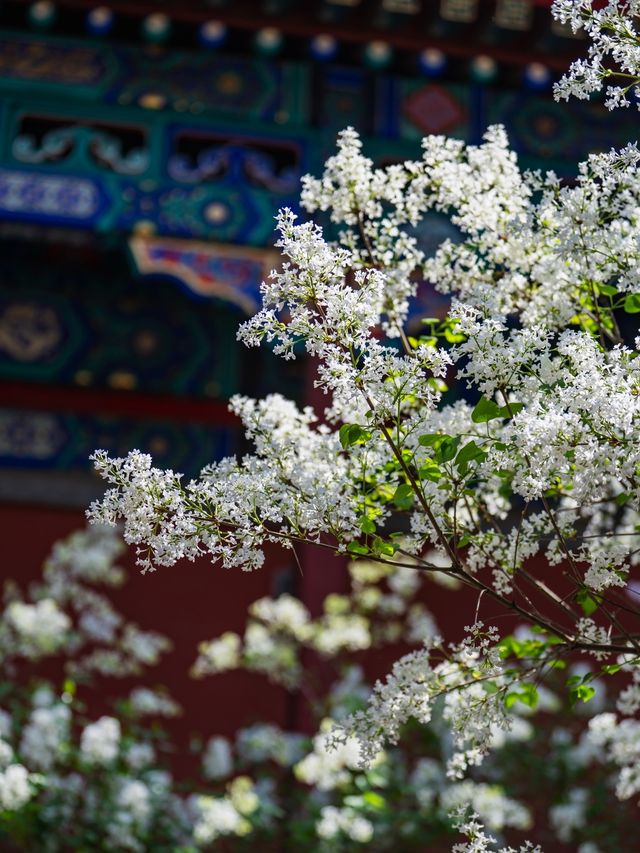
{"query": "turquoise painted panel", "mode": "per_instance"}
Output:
(76, 316)
(57, 441)
(559, 135)
(155, 78)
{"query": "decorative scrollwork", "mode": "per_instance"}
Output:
(55, 146)
(81, 144)
(211, 164)
(237, 162)
(259, 167)
(107, 151)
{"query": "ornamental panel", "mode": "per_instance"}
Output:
(58, 65)
(77, 316)
(50, 198)
(63, 442)
(558, 135)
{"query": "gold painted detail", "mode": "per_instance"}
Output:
(29, 332)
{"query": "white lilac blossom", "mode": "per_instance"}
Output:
(266, 742)
(334, 821)
(64, 783)
(68, 613)
(217, 761)
(87, 556)
(273, 654)
(567, 817)
(613, 34)
(133, 800)
(144, 647)
(528, 494)
(489, 802)
(470, 825)
(328, 768)
(277, 628)
(218, 655)
(40, 628)
(260, 649)
(620, 741)
(217, 817)
(285, 613)
(558, 420)
(146, 702)
(100, 741)
(6, 754)
(339, 631)
(139, 755)
(243, 794)
(133, 815)
(222, 816)
(45, 736)
(16, 788)
(256, 743)
(412, 688)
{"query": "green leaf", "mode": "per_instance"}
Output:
(447, 449)
(403, 491)
(344, 434)
(509, 646)
(357, 548)
(485, 410)
(632, 303)
(403, 496)
(505, 491)
(510, 700)
(381, 546)
(488, 410)
(527, 648)
(588, 601)
(374, 778)
(583, 692)
(444, 446)
(579, 687)
(469, 453)
(611, 668)
(373, 799)
(527, 694)
(430, 472)
(453, 337)
(367, 525)
(432, 439)
(511, 409)
(353, 434)
(607, 289)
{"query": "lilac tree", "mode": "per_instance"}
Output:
(542, 465)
